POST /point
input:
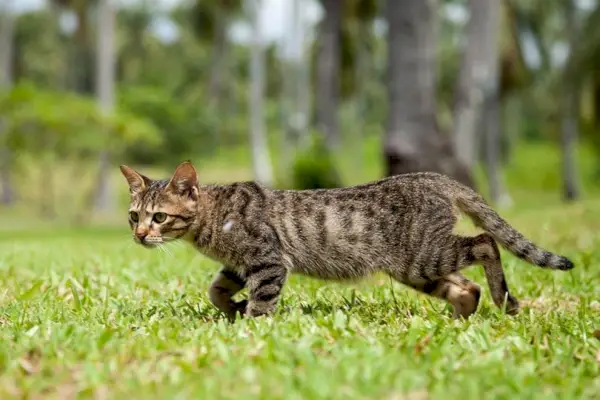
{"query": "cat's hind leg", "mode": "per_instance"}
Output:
(482, 249)
(456, 289)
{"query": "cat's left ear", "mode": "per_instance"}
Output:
(185, 181)
(137, 182)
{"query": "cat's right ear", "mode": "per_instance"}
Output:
(137, 182)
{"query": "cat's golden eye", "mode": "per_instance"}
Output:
(134, 216)
(160, 217)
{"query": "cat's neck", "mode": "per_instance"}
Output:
(209, 203)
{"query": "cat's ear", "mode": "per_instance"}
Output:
(137, 182)
(185, 180)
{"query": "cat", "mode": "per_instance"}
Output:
(401, 225)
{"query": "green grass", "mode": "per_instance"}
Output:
(89, 314)
(85, 313)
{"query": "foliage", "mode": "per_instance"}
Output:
(183, 127)
(164, 83)
(39, 50)
(314, 167)
(39, 121)
(49, 130)
(206, 15)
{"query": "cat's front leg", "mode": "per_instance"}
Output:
(264, 282)
(227, 283)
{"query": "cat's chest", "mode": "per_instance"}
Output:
(224, 243)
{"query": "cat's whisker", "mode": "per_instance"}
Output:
(159, 246)
(165, 250)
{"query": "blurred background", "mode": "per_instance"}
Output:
(503, 95)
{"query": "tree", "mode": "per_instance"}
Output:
(260, 152)
(296, 89)
(105, 81)
(328, 68)
(6, 59)
(134, 22)
(58, 127)
(570, 110)
(471, 81)
(413, 141)
(210, 21)
(359, 65)
(489, 76)
(81, 64)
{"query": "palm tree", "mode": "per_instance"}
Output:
(81, 63)
(328, 68)
(570, 109)
(260, 152)
(486, 15)
(413, 141)
(210, 21)
(471, 80)
(295, 77)
(558, 22)
(6, 59)
(134, 21)
(105, 81)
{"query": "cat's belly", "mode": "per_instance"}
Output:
(223, 258)
(330, 268)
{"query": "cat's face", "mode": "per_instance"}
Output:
(162, 210)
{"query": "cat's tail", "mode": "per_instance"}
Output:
(483, 216)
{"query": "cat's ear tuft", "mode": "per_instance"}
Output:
(185, 180)
(137, 182)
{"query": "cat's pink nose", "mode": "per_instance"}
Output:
(141, 234)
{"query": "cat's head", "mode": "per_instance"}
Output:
(162, 210)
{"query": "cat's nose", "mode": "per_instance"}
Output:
(141, 234)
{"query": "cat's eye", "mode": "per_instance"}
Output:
(134, 216)
(160, 217)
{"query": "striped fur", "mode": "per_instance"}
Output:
(401, 225)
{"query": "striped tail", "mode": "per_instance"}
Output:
(508, 237)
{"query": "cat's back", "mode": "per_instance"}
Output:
(356, 226)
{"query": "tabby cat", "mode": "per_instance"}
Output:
(401, 225)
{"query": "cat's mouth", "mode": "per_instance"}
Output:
(148, 244)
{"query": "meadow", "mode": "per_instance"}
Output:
(84, 313)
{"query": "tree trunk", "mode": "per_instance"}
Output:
(489, 76)
(491, 127)
(328, 67)
(362, 73)
(570, 107)
(413, 142)
(571, 187)
(286, 107)
(296, 85)
(105, 81)
(219, 53)
(6, 60)
(260, 151)
(289, 78)
(303, 88)
(218, 70)
(468, 96)
(82, 62)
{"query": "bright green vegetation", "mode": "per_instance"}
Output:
(88, 312)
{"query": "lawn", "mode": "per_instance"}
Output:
(89, 314)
